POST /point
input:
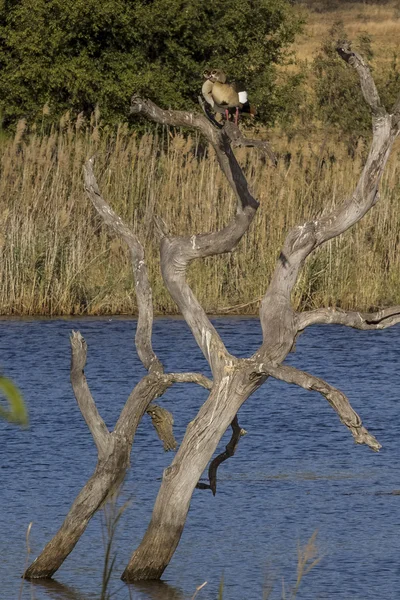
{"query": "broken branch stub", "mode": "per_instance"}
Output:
(163, 421)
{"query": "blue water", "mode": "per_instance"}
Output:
(297, 471)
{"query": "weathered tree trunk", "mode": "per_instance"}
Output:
(235, 380)
(113, 462)
(108, 475)
(180, 478)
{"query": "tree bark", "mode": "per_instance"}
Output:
(180, 478)
(113, 462)
(235, 380)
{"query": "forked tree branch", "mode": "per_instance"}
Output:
(113, 454)
(178, 252)
(366, 321)
(278, 320)
(113, 460)
(335, 397)
(140, 275)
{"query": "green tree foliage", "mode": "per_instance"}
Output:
(75, 54)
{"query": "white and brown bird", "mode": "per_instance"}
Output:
(223, 96)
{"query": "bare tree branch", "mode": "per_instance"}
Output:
(178, 252)
(218, 138)
(368, 86)
(336, 398)
(367, 321)
(239, 141)
(278, 320)
(84, 398)
(197, 378)
(230, 449)
(140, 276)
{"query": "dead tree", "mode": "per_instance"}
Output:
(234, 380)
(114, 447)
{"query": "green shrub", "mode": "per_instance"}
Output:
(76, 54)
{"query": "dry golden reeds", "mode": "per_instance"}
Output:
(380, 19)
(57, 257)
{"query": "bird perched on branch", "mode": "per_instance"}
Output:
(223, 96)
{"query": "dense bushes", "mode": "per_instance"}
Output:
(75, 54)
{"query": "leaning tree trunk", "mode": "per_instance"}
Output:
(113, 448)
(235, 380)
(180, 478)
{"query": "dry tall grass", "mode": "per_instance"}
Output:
(380, 20)
(57, 258)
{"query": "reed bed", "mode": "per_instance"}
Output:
(380, 20)
(57, 258)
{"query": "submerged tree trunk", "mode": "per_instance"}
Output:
(234, 380)
(108, 476)
(113, 462)
(180, 478)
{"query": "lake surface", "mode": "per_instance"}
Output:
(297, 470)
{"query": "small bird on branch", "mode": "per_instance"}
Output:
(223, 96)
